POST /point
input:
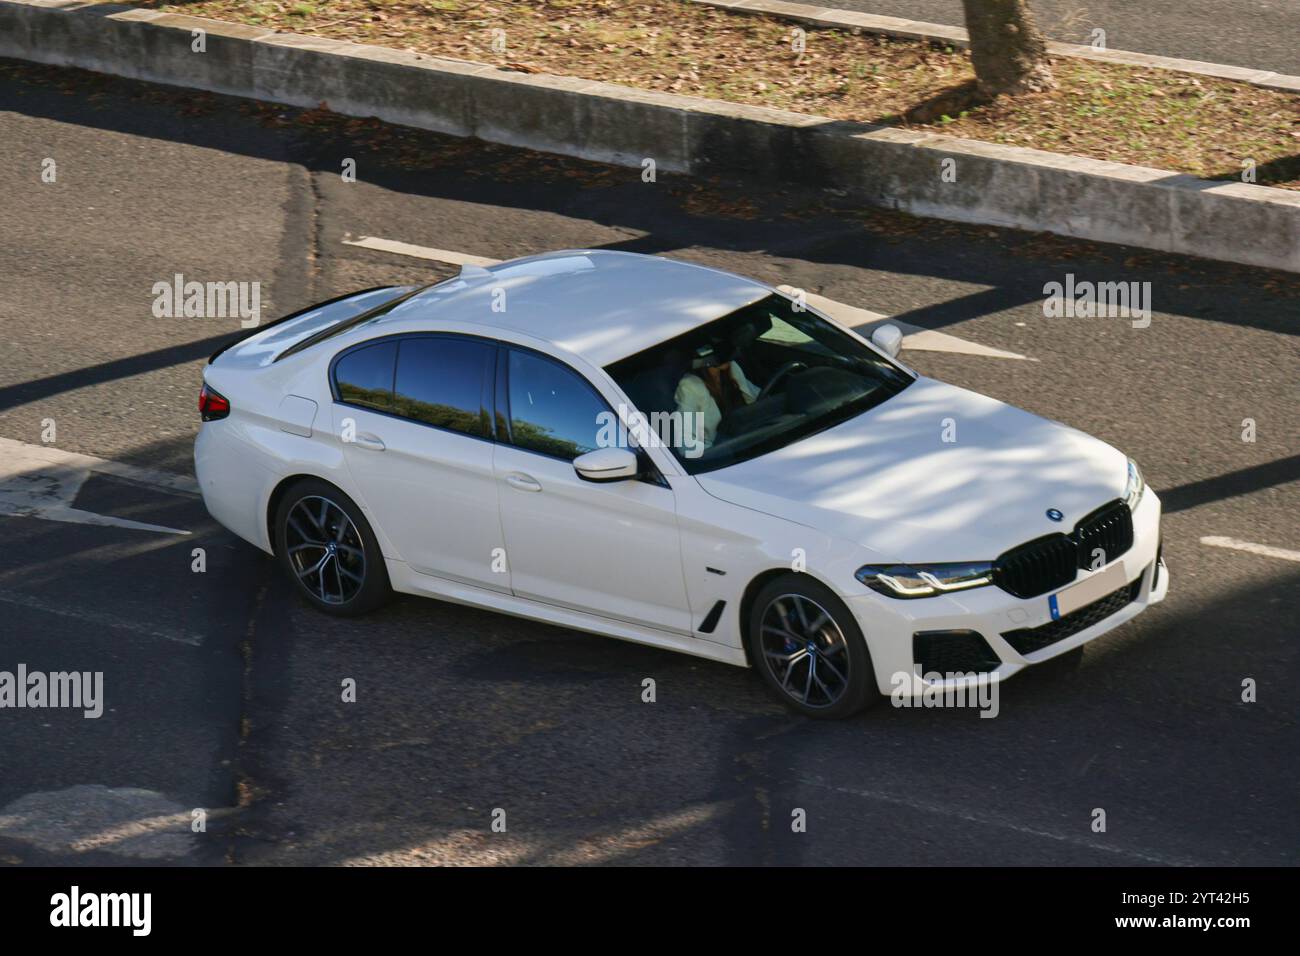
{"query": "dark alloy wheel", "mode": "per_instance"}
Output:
(809, 650)
(328, 549)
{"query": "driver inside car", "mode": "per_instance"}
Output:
(707, 393)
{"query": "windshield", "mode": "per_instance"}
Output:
(753, 381)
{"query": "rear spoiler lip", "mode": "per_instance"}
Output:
(341, 327)
(294, 315)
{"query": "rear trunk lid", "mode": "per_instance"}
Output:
(264, 345)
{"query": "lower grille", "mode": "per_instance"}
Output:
(1030, 639)
(952, 652)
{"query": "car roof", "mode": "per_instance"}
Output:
(599, 304)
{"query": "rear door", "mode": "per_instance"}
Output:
(413, 412)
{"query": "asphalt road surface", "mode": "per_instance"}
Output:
(1261, 34)
(223, 692)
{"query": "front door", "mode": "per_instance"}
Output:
(608, 549)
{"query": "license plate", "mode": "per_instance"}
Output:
(1092, 588)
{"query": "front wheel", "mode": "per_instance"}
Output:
(327, 548)
(809, 649)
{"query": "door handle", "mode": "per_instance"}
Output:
(523, 482)
(372, 442)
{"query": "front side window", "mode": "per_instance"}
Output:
(364, 376)
(553, 410)
(753, 381)
(441, 381)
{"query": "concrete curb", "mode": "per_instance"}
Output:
(831, 18)
(899, 169)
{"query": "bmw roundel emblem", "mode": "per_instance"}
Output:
(1054, 514)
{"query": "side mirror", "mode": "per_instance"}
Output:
(607, 464)
(888, 338)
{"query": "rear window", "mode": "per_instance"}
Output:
(442, 381)
(364, 376)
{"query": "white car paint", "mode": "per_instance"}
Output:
(450, 533)
(630, 559)
(986, 490)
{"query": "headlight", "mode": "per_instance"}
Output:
(1133, 489)
(925, 580)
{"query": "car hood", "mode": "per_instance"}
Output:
(887, 480)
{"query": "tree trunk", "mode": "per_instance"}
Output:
(1006, 49)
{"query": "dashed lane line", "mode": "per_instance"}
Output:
(1216, 541)
(420, 252)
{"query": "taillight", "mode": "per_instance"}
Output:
(212, 404)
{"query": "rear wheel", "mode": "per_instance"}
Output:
(809, 649)
(327, 548)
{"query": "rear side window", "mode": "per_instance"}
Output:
(442, 381)
(553, 410)
(365, 376)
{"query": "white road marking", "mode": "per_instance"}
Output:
(420, 252)
(1215, 541)
(98, 618)
(984, 820)
(40, 481)
(860, 320)
(10, 450)
(864, 321)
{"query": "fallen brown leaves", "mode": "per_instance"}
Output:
(1147, 117)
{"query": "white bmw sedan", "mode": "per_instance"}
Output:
(669, 454)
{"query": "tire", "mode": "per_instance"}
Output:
(351, 576)
(787, 612)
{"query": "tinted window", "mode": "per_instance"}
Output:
(552, 409)
(440, 382)
(365, 376)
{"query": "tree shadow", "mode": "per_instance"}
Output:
(22, 393)
(1230, 485)
(951, 102)
(1283, 169)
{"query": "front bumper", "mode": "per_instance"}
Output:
(1013, 633)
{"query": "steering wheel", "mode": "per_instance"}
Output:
(776, 378)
